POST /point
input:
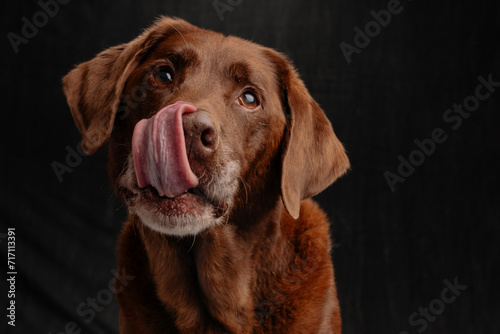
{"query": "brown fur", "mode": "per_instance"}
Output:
(267, 267)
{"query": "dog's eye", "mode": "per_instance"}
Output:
(249, 100)
(162, 77)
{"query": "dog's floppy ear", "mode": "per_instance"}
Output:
(93, 89)
(313, 157)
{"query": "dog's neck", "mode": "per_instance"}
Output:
(217, 266)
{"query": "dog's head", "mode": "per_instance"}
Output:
(202, 127)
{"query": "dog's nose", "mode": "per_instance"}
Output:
(201, 134)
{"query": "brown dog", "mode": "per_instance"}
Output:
(216, 148)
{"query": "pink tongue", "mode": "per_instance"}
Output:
(159, 151)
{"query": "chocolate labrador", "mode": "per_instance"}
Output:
(215, 146)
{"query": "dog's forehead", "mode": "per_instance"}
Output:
(218, 54)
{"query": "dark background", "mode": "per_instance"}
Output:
(393, 249)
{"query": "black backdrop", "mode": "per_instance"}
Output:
(396, 249)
